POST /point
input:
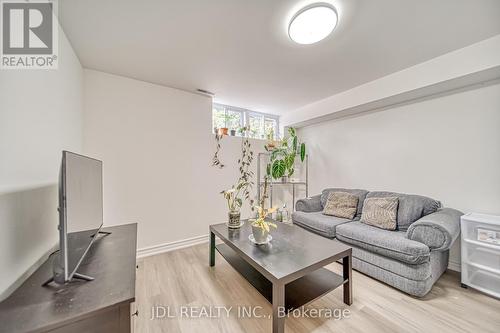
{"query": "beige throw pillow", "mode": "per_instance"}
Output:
(381, 212)
(341, 204)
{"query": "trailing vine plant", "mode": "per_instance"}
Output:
(215, 160)
(241, 190)
(245, 162)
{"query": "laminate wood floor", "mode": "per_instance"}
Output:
(181, 280)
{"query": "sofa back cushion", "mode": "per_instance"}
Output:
(361, 194)
(411, 207)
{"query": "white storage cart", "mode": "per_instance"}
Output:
(481, 253)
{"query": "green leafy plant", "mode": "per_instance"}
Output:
(278, 168)
(283, 156)
(233, 196)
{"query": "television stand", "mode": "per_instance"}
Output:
(101, 307)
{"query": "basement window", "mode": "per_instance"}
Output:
(262, 125)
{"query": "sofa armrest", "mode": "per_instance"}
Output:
(312, 204)
(437, 230)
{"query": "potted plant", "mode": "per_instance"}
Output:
(271, 143)
(234, 203)
(261, 227)
(283, 157)
(230, 120)
(223, 131)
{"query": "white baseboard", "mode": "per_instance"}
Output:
(166, 247)
(455, 266)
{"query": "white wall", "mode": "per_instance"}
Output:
(447, 148)
(157, 146)
(40, 115)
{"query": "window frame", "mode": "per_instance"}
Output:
(235, 110)
(244, 120)
(219, 108)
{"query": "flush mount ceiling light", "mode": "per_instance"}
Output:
(313, 23)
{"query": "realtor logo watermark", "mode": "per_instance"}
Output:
(29, 34)
(241, 311)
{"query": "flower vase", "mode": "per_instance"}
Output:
(234, 219)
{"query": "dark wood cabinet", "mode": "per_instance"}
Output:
(102, 305)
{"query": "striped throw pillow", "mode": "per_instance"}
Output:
(381, 212)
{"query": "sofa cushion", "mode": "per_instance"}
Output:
(361, 194)
(341, 204)
(316, 222)
(380, 212)
(418, 288)
(411, 207)
(392, 244)
(414, 272)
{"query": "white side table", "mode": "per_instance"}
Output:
(481, 253)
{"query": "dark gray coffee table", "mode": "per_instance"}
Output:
(289, 270)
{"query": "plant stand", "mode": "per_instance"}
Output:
(279, 184)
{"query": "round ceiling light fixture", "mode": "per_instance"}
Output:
(313, 23)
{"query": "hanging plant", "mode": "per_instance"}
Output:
(245, 162)
(241, 190)
(215, 160)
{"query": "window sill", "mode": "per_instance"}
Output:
(239, 137)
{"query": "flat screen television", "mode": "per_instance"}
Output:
(80, 213)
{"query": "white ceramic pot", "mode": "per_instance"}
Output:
(259, 234)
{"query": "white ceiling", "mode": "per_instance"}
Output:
(239, 49)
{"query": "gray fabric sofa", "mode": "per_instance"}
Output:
(410, 258)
